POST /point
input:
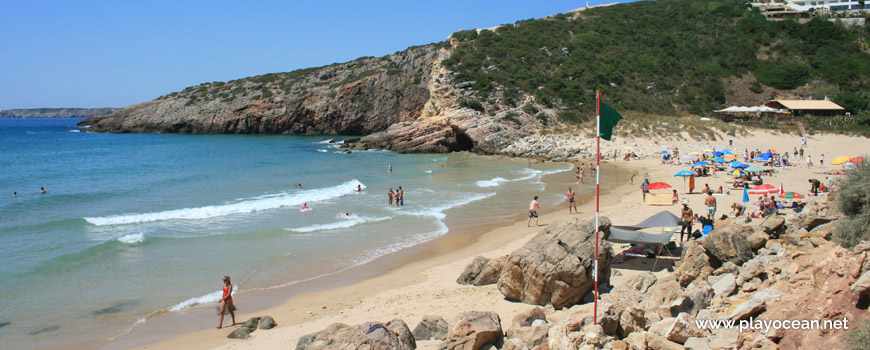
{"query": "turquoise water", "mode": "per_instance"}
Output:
(135, 225)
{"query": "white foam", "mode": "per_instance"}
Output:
(428, 171)
(208, 298)
(438, 212)
(267, 202)
(345, 223)
(494, 182)
(132, 238)
(322, 150)
(442, 159)
(74, 130)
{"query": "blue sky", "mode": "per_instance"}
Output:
(117, 53)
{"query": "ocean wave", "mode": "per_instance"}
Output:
(208, 298)
(251, 205)
(438, 212)
(494, 182)
(322, 150)
(132, 238)
(345, 223)
(442, 159)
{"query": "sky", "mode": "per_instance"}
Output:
(117, 53)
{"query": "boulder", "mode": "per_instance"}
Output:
(725, 285)
(370, 335)
(481, 272)
(267, 322)
(697, 343)
(240, 333)
(862, 285)
(555, 267)
(682, 329)
(747, 309)
(811, 221)
(642, 282)
(727, 243)
(748, 271)
(431, 327)
(514, 344)
(252, 323)
(662, 293)
(636, 340)
(772, 224)
(657, 342)
(694, 263)
(531, 336)
(699, 295)
(472, 330)
(630, 321)
(526, 318)
(757, 239)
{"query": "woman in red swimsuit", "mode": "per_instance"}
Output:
(227, 301)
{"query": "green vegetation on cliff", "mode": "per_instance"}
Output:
(664, 57)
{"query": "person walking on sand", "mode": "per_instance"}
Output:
(691, 184)
(631, 181)
(226, 302)
(822, 161)
(390, 196)
(643, 186)
(710, 202)
(533, 212)
(809, 161)
(582, 173)
(571, 203)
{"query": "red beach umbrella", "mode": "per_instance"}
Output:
(857, 160)
(658, 186)
(763, 189)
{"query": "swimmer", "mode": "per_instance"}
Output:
(359, 188)
(305, 207)
(42, 190)
(298, 185)
(14, 194)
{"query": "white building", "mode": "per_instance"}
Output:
(828, 5)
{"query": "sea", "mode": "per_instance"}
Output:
(134, 228)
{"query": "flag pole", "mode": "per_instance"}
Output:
(597, 192)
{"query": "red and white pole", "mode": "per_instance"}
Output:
(597, 192)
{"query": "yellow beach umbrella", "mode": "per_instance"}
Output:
(709, 150)
(841, 160)
(694, 153)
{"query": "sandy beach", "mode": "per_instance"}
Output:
(428, 286)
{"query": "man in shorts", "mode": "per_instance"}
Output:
(710, 202)
(571, 203)
(533, 213)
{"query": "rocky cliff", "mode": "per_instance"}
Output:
(57, 112)
(406, 102)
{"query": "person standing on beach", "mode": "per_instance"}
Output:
(710, 202)
(226, 302)
(822, 160)
(809, 161)
(686, 222)
(401, 197)
(533, 212)
(571, 203)
(643, 186)
(631, 181)
(582, 173)
(691, 184)
(390, 196)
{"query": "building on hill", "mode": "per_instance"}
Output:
(801, 108)
(780, 9)
(830, 5)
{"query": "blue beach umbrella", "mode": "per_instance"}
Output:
(684, 174)
(718, 160)
(701, 163)
(718, 154)
(765, 155)
(664, 152)
(737, 173)
(745, 195)
(727, 151)
(738, 165)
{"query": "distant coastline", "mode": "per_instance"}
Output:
(57, 112)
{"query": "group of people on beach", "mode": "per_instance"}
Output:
(397, 197)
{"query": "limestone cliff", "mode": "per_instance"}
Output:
(57, 112)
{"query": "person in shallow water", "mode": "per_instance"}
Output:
(227, 302)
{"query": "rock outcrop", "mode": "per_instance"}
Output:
(57, 112)
(393, 335)
(556, 266)
(482, 271)
(431, 327)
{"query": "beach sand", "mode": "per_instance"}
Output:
(428, 286)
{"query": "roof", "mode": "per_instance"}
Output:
(810, 104)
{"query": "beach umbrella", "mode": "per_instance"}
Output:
(763, 189)
(850, 165)
(629, 148)
(665, 152)
(745, 195)
(718, 154)
(658, 186)
(753, 169)
(733, 163)
(765, 155)
(718, 160)
(708, 150)
(701, 163)
(687, 157)
(791, 195)
(685, 174)
(737, 173)
(729, 157)
(841, 160)
(694, 153)
(727, 151)
(857, 160)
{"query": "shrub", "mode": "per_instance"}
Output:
(858, 338)
(471, 104)
(782, 74)
(266, 92)
(853, 200)
(542, 117)
(530, 109)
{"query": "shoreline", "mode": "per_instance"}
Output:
(427, 286)
(328, 296)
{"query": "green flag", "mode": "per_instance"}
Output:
(609, 118)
